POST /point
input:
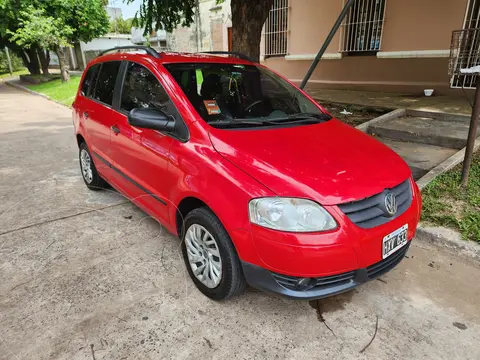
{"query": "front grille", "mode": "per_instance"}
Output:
(289, 282)
(368, 213)
(387, 264)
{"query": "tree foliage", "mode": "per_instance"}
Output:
(38, 28)
(119, 25)
(50, 24)
(14, 59)
(88, 18)
(164, 14)
(248, 17)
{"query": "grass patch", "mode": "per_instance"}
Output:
(15, 73)
(447, 204)
(55, 89)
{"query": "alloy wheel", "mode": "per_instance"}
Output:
(203, 256)
(86, 164)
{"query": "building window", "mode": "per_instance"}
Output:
(276, 29)
(362, 29)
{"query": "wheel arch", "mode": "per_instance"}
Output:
(186, 205)
(80, 139)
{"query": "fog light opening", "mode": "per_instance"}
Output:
(305, 283)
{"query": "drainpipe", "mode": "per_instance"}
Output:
(327, 42)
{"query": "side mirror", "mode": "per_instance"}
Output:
(151, 119)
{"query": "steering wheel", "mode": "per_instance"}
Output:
(252, 105)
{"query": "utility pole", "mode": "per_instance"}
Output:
(472, 134)
(198, 26)
(9, 61)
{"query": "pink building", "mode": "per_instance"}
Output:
(383, 45)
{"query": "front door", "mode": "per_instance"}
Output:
(141, 156)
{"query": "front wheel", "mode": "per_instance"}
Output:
(210, 256)
(89, 172)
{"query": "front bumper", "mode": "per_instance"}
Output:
(313, 255)
(271, 282)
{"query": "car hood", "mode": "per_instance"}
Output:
(329, 162)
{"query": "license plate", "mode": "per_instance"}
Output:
(394, 241)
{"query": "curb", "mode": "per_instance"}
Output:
(445, 238)
(386, 117)
(23, 88)
(446, 165)
(325, 103)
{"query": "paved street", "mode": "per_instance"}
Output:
(87, 275)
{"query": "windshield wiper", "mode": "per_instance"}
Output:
(304, 118)
(239, 122)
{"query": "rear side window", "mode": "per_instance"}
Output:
(141, 89)
(105, 83)
(88, 80)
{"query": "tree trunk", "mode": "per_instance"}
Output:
(44, 56)
(248, 18)
(61, 61)
(30, 59)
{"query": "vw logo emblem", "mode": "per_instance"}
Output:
(391, 203)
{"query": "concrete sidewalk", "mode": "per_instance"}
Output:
(87, 275)
(448, 104)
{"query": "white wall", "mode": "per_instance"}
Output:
(107, 42)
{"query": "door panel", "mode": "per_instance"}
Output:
(97, 114)
(98, 122)
(141, 156)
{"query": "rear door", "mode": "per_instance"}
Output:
(97, 113)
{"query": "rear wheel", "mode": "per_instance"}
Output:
(89, 172)
(210, 256)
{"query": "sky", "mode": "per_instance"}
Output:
(128, 11)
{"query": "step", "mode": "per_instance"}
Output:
(451, 134)
(420, 157)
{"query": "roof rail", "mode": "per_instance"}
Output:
(237, 54)
(147, 49)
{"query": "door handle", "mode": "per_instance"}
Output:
(115, 129)
(85, 115)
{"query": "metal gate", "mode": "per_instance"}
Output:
(467, 52)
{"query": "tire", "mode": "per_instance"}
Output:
(231, 281)
(90, 175)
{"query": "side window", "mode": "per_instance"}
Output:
(106, 82)
(88, 80)
(141, 89)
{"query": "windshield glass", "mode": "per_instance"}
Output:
(242, 94)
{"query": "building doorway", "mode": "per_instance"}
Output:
(229, 35)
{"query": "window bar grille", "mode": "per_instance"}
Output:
(370, 23)
(276, 29)
(468, 45)
(363, 28)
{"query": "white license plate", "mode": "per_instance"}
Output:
(394, 241)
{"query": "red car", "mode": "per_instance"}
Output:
(260, 183)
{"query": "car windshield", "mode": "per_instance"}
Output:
(236, 95)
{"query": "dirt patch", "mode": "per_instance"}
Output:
(359, 114)
(38, 79)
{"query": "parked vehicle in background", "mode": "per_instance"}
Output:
(262, 185)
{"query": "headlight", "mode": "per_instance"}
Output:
(290, 214)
